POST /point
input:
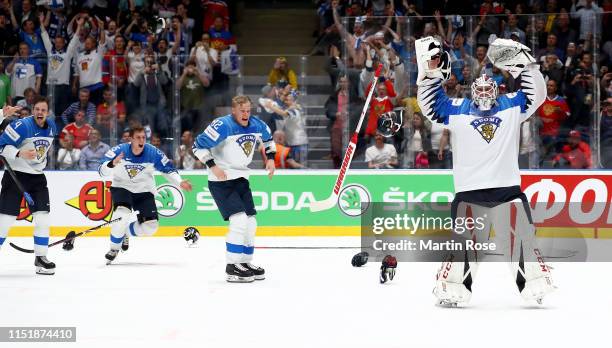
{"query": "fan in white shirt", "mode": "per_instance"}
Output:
(381, 155)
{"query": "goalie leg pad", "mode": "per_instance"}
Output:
(530, 273)
(454, 281)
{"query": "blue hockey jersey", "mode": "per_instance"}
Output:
(232, 145)
(25, 134)
(135, 173)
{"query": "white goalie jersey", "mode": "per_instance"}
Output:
(485, 143)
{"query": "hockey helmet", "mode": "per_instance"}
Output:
(484, 92)
(191, 235)
(390, 122)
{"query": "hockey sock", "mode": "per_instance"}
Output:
(5, 223)
(235, 239)
(249, 240)
(41, 232)
(147, 228)
(119, 229)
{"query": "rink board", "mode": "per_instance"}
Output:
(81, 199)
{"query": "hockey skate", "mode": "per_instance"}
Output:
(258, 272)
(237, 273)
(44, 266)
(111, 255)
(125, 245)
(536, 289)
(450, 295)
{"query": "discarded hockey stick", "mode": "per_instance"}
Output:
(329, 202)
(69, 237)
(26, 195)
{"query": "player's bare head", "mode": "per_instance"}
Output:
(241, 109)
(484, 92)
(41, 110)
(139, 137)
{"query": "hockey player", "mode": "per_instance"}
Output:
(485, 133)
(226, 147)
(131, 166)
(24, 144)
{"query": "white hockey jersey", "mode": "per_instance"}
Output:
(232, 145)
(485, 144)
(25, 134)
(135, 173)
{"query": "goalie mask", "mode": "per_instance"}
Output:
(390, 123)
(484, 92)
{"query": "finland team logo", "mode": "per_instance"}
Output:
(354, 200)
(41, 146)
(247, 143)
(169, 200)
(133, 169)
(486, 126)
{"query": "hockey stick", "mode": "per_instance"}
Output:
(26, 195)
(69, 237)
(348, 155)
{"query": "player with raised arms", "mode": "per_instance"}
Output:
(24, 144)
(131, 166)
(226, 147)
(485, 132)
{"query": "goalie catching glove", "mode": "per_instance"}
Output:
(510, 55)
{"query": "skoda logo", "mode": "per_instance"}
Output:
(354, 200)
(169, 200)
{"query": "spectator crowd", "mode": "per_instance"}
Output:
(109, 64)
(569, 39)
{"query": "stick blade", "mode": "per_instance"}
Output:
(324, 204)
(23, 250)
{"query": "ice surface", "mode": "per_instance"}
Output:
(163, 294)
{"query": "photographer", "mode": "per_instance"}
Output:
(192, 84)
(152, 100)
(580, 92)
